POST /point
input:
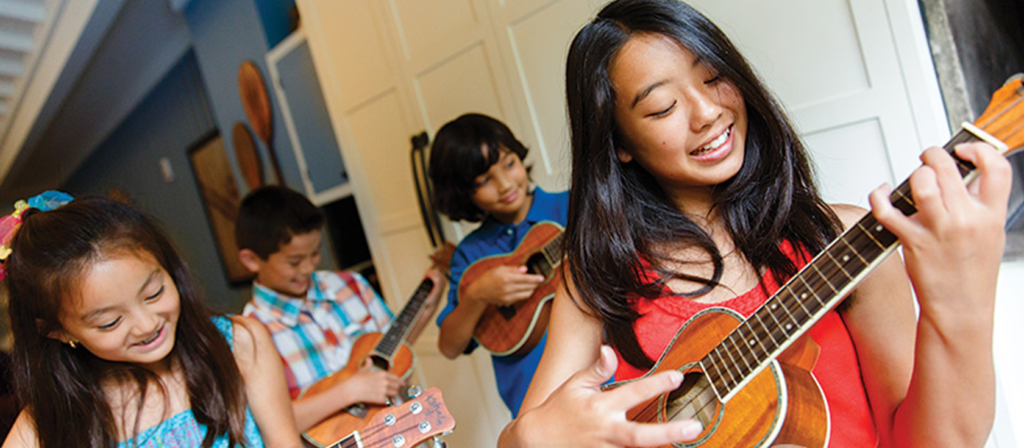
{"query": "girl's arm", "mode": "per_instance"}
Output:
(265, 385)
(565, 405)
(23, 433)
(932, 382)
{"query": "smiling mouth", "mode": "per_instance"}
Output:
(152, 338)
(715, 144)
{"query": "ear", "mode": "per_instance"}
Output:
(624, 156)
(250, 260)
(60, 336)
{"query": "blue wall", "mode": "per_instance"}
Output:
(276, 20)
(171, 118)
(226, 33)
(198, 96)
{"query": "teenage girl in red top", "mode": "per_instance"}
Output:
(691, 189)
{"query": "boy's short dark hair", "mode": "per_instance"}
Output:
(270, 216)
(456, 160)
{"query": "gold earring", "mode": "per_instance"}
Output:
(72, 343)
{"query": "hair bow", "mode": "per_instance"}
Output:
(9, 224)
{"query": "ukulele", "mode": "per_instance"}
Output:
(387, 351)
(408, 424)
(517, 328)
(748, 381)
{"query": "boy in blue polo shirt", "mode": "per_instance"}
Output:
(476, 167)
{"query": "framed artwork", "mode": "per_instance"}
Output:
(220, 199)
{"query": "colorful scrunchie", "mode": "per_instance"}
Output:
(9, 224)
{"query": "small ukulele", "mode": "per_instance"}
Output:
(748, 381)
(387, 351)
(406, 425)
(518, 328)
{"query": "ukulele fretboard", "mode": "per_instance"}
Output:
(402, 324)
(811, 293)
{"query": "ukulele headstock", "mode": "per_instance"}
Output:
(442, 257)
(1004, 116)
(409, 423)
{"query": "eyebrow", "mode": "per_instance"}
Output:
(697, 60)
(645, 92)
(149, 280)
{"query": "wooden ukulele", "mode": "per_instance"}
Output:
(387, 351)
(518, 328)
(748, 381)
(406, 425)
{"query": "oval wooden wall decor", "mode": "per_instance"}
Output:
(255, 100)
(249, 162)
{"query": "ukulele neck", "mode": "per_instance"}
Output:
(816, 289)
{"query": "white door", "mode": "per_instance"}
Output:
(855, 75)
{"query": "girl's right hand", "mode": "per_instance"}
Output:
(579, 414)
(371, 385)
(503, 285)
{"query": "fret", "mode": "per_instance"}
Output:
(839, 265)
(814, 266)
(717, 379)
(759, 340)
(739, 353)
(748, 341)
(351, 441)
(760, 320)
(852, 249)
(803, 298)
(789, 325)
(901, 199)
(553, 249)
(770, 308)
(819, 285)
(868, 233)
(400, 327)
(728, 370)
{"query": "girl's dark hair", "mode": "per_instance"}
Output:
(456, 160)
(618, 214)
(60, 386)
(270, 216)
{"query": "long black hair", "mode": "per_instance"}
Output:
(60, 386)
(619, 215)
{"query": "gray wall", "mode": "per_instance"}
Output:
(175, 115)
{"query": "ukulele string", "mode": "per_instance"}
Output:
(1015, 127)
(1003, 109)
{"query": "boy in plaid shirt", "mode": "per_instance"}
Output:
(313, 316)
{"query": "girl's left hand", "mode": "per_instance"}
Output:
(954, 243)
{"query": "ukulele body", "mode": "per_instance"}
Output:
(356, 416)
(782, 405)
(518, 328)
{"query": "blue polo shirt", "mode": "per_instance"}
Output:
(513, 373)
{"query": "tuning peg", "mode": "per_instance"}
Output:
(414, 391)
(436, 442)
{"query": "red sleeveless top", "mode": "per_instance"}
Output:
(837, 369)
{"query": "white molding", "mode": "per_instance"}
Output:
(71, 18)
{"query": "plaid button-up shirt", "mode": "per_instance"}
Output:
(315, 335)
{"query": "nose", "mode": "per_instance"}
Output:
(308, 265)
(503, 181)
(705, 107)
(146, 322)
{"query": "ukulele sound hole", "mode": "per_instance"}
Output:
(693, 400)
(538, 264)
(380, 363)
(507, 311)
